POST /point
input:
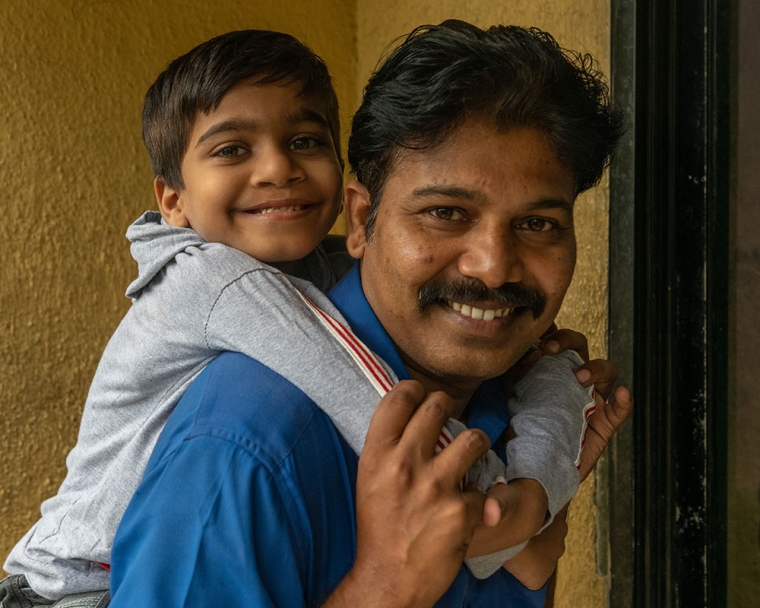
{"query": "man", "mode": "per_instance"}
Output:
(469, 148)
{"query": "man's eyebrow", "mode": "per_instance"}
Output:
(459, 192)
(552, 203)
(450, 192)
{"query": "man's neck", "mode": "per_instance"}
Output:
(459, 389)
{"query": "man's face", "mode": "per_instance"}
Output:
(484, 211)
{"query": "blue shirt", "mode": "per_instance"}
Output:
(248, 498)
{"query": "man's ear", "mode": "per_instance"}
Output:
(170, 204)
(357, 203)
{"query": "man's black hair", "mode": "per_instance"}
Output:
(197, 81)
(509, 76)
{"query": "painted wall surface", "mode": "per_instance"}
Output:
(580, 25)
(74, 174)
(744, 407)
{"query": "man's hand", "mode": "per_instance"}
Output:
(414, 524)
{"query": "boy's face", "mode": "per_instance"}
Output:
(260, 174)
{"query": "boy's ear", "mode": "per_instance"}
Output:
(170, 204)
(357, 202)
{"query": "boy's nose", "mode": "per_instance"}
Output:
(275, 167)
(494, 258)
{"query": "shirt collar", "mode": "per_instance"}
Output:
(488, 406)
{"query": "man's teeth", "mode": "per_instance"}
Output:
(280, 209)
(480, 313)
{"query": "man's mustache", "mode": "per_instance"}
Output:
(509, 295)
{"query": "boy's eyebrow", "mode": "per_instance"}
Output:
(478, 197)
(304, 114)
(224, 126)
(298, 116)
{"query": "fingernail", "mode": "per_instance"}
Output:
(552, 347)
(583, 375)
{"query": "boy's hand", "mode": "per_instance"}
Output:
(512, 514)
(602, 374)
(604, 423)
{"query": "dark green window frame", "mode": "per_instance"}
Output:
(669, 289)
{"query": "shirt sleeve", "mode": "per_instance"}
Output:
(208, 527)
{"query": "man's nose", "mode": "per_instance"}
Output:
(493, 256)
(275, 166)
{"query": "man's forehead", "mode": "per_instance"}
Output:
(447, 168)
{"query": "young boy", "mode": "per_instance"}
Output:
(243, 135)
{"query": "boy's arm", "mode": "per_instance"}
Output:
(537, 561)
(262, 315)
(548, 421)
(604, 423)
(549, 411)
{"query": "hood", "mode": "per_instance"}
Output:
(154, 245)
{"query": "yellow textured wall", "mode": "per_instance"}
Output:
(581, 25)
(73, 175)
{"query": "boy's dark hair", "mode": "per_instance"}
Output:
(197, 81)
(442, 75)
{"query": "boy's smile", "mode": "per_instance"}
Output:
(260, 174)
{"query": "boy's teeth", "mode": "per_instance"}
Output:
(480, 313)
(280, 209)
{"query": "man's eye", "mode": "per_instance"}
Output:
(446, 213)
(304, 143)
(230, 151)
(537, 224)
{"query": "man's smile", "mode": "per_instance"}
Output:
(485, 314)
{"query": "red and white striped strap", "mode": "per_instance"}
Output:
(363, 357)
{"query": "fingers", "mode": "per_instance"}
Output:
(393, 413)
(604, 423)
(620, 407)
(494, 506)
(410, 421)
(424, 427)
(565, 339)
(454, 462)
(600, 373)
(413, 522)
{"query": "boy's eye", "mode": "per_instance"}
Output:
(304, 143)
(230, 151)
(446, 213)
(537, 224)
